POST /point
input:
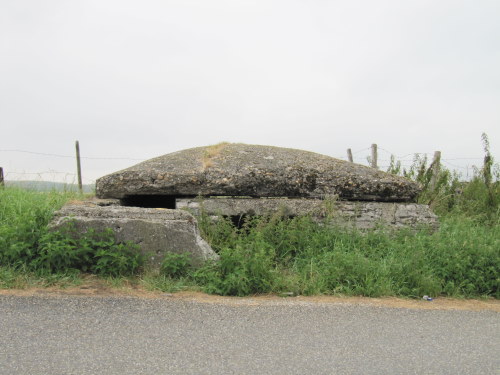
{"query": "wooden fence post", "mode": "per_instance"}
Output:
(2, 183)
(78, 167)
(374, 156)
(436, 168)
(349, 155)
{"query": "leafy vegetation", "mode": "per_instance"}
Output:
(26, 242)
(276, 254)
(297, 255)
(176, 265)
(478, 198)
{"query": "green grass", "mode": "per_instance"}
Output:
(27, 244)
(21, 278)
(267, 255)
(24, 216)
(276, 254)
(273, 255)
(478, 198)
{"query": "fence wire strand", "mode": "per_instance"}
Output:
(404, 161)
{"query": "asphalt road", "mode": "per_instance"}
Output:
(124, 335)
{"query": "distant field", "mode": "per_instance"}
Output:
(49, 186)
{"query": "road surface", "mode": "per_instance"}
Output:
(169, 335)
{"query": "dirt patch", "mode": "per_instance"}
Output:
(91, 286)
(94, 287)
(212, 152)
(436, 304)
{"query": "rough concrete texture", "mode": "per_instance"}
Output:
(256, 171)
(156, 231)
(362, 215)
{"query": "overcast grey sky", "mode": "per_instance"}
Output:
(138, 79)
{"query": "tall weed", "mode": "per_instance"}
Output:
(298, 255)
(25, 241)
(478, 198)
(24, 216)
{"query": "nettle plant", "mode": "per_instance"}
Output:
(93, 251)
(67, 250)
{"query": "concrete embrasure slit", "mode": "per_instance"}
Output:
(149, 201)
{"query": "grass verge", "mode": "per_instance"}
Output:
(275, 254)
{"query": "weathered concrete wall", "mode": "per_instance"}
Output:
(156, 231)
(362, 215)
(257, 171)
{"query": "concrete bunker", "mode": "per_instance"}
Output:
(236, 180)
(163, 196)
(240, 170)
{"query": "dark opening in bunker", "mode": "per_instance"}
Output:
(149, 201)
(238, 220)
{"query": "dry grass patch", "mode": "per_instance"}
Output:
(211, 152)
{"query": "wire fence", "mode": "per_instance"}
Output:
(64, 170)
(464, 166)
(466, 169)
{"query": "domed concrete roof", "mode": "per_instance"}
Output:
(252, 170)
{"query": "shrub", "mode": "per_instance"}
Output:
(94, 252)
(298, 255)
(176, 265)
(24, 216)
(240, 271)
